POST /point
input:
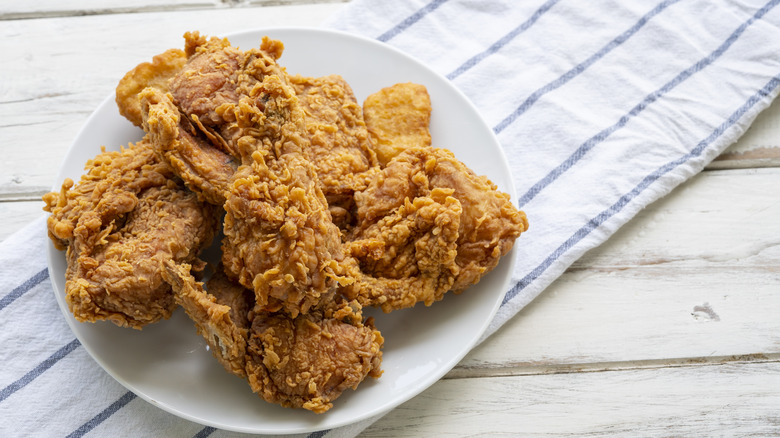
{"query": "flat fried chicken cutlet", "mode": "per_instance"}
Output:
(302, 362)
(427, 225)
(126, 215)
(398, 118)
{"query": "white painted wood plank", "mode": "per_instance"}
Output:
(696, 274)
(62, 68)
(721, 400)
(54, 8)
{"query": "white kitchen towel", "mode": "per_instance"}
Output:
(601, 107)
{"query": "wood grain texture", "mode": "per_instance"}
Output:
(56, 8)
(710, 400)
(758, 147)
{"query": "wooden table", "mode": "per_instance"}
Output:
(672, 327)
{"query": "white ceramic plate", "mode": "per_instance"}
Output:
(168, 364)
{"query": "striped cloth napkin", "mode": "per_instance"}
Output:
(601, 107)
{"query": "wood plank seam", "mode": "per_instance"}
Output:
(529, 369)
(217, 4)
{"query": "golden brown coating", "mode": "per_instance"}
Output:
(106, 192)
(119, 223)
(209, 78)
(340, 149)
(156, 74)
(426, 225)
(398, 118)
(279, 237)
(205, 169)
(220, 313)
(309, 361)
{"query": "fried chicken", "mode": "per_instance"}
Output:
(340, 150)
(207, 170)
(279, 237)
(310, 360)
(220, 312)
(307, 361)
(328, 207)
(125, 216)
(156, 74)
(398, 118)
(427, 225)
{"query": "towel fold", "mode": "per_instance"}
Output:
(601, 107)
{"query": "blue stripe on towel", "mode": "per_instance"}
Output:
(410, 20)
(318, 434)
(24, 288)
(579, 68)
(476, 59)
(103, 415)
(206, 431)
(583, 149)
(38, 370)
(602, 217)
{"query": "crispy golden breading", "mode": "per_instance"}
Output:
(340, 149)
(156, 74)
(206, 169)
(309, 361)
(220, 313)
(398, 118)
(106, 192)
(279, 237)
(119, 223)
(427, 225)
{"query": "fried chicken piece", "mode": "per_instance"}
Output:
(279, 237)
(106, 192)
(207, 170)
(397, 119)
(340, 149)
(193, 127)
(119, 223)
(208, 88)
(156, 74)
(427, 225)
(220, 312)
(209, 79)
(307, 361)
(310, 360)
